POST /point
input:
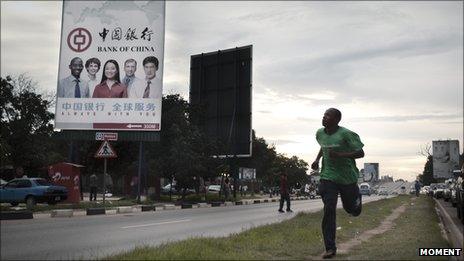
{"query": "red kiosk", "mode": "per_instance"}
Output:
(67, 175)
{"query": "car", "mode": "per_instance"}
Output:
(432, 188)
(214, 188)
(175, 190)
(403, 189)
(447, 191)
(425, 190)
(32, 191)
(439, 190)
(365, 189)
(383, 192)
(167, 189)
(459, 190)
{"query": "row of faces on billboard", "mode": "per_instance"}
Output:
(110, 82)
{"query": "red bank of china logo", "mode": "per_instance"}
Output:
(79, 39)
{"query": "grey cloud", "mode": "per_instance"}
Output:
(264, 111)
(280, 141)
(403, 118)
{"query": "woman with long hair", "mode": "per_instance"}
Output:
(110, 85)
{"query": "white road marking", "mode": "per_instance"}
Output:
(160, 223)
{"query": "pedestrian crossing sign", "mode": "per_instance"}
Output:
(106, 151)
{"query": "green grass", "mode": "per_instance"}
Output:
(297, 238)
(417, 227)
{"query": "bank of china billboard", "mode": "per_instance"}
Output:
(445, 158)
(111, 65)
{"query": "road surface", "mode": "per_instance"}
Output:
(91, 237)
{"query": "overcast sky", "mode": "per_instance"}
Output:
(394, 69)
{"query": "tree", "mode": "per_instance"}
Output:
(26, 124)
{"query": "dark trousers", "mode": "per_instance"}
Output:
(284, 197)
(93, 193)
(329, 192)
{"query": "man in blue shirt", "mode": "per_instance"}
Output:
(72, 86)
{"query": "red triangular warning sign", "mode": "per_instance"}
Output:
(106, 151)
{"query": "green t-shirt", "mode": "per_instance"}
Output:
(339, 170)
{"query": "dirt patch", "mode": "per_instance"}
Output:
(386, 225)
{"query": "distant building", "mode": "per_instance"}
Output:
(386, 178)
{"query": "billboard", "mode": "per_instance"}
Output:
(220, 84)
(247, 173)
(445, 158)
(371, 172)
(111, 66)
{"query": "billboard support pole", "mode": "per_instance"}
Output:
(139, 171)
(104, 181)
(234, 126)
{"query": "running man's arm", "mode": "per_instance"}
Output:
(352, 155)
(315, 164)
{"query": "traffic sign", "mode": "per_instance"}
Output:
(106, 151)
(106, 136)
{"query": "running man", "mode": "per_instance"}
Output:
(339, 174)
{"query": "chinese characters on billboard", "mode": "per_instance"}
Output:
(111, 65)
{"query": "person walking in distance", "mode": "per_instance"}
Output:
(93, 187)
(284, 193)
(417, 187)
(339, 174)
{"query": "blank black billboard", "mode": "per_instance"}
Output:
(220, 83)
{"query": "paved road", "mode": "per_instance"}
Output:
(90, 237)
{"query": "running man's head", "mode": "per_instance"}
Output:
(331, 117)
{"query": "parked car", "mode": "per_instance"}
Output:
(167, 189)
(425, 190)
(32, 191)
(459, 190)
(383, 192)
(214, 188)
(447, 190)
(433, 187)
(439, 190)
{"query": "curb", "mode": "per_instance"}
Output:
(145, 208)
(25, 214)
(62, 213)
(96, 211)
(123, 210)
(453, 231)
(10, 215)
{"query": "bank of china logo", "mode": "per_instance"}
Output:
(79, 39)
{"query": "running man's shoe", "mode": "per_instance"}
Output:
(358, 206)
(329, 253)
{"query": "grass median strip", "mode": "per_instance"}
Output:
(417, 227)
(296, 238)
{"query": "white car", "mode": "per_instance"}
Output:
(214, 188)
